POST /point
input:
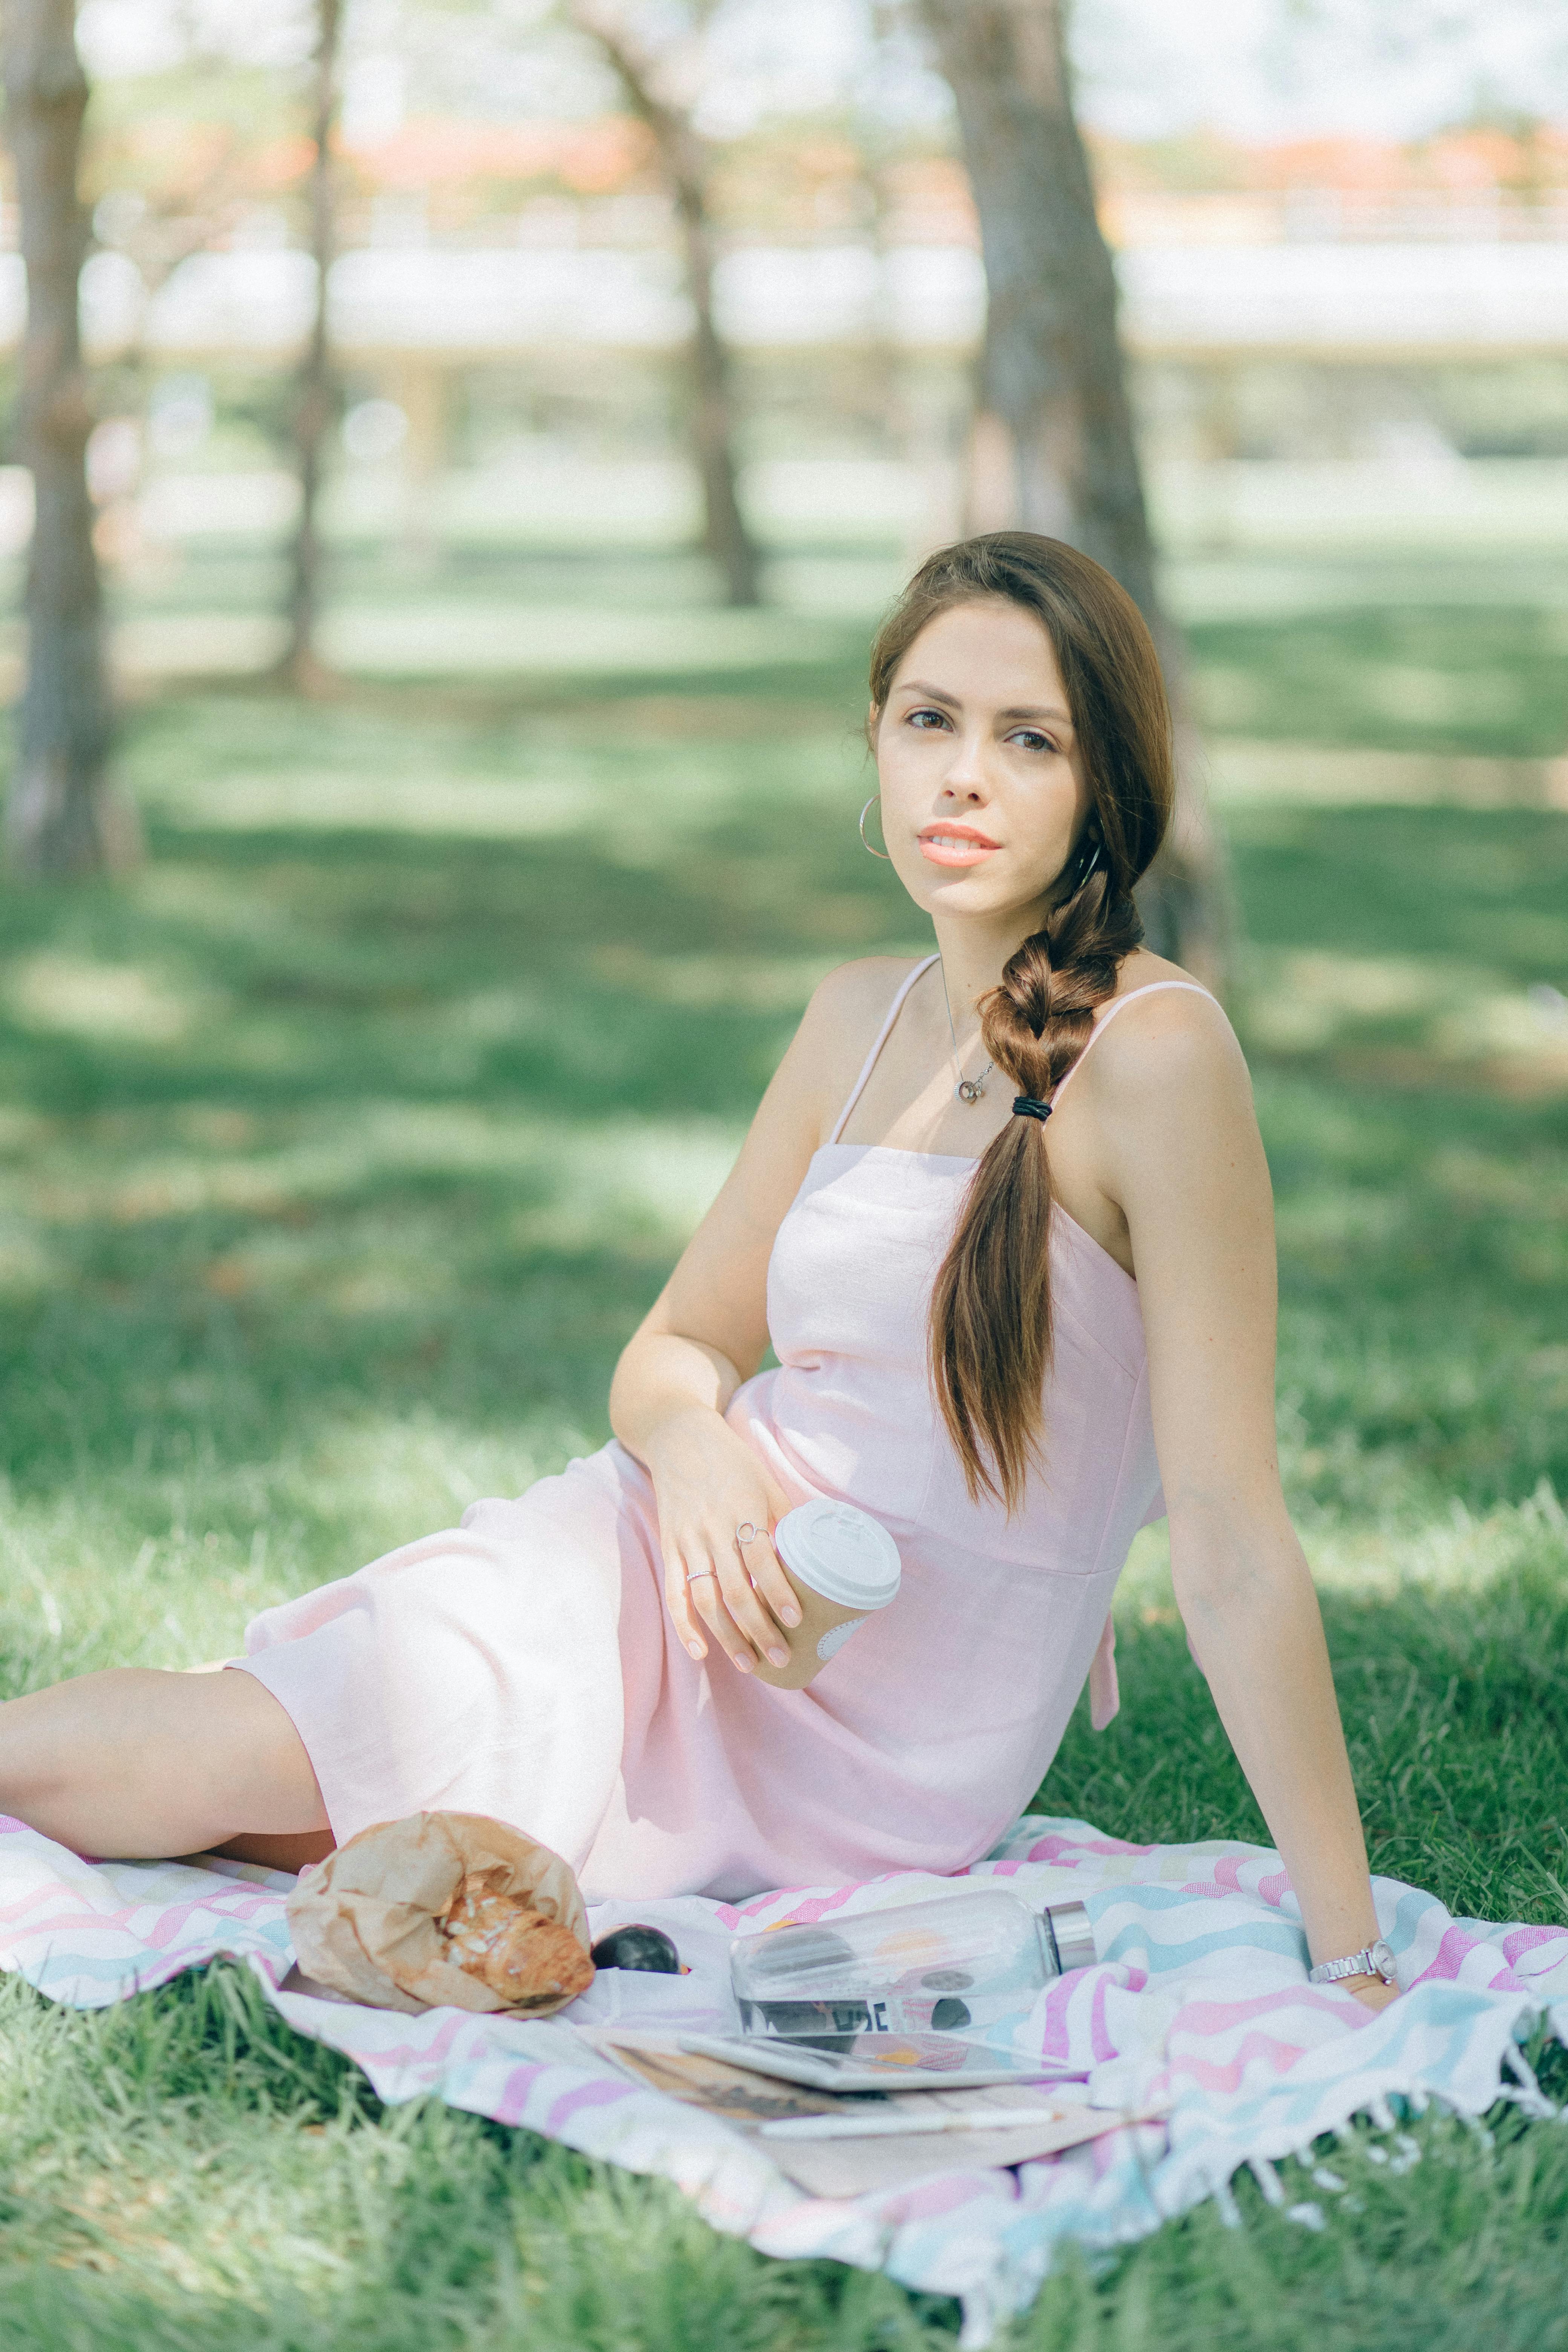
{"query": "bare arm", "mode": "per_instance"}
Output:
(1180, 1154)
(707, 1332)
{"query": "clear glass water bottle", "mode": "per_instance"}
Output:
(960, 1962)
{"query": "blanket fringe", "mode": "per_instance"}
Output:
(1399, 2151)
(978, 2316)
(1267, 2180)
(1525, 2091)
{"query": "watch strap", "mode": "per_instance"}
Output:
(1372, 1960)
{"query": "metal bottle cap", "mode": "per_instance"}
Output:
(1071, 1934)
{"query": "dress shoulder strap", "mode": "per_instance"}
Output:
(1118, 1004)
(870, 1064)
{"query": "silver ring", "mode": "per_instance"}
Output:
(746, 1533)
(695, 1575)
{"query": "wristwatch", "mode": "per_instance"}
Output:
(1374, 1960)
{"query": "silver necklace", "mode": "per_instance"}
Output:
(968, 1090)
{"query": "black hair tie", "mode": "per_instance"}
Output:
(1025, 1106)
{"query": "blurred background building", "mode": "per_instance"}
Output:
(1345, 292)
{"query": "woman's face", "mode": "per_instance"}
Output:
(982, 783)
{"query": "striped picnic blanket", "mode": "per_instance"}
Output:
(1198, 2006)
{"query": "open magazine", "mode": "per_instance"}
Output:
(875, 2062)
(836, 2139)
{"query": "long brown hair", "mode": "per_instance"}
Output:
(991, 1307)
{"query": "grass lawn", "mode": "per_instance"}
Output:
(340, 1149)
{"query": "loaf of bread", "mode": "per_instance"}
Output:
(520, 1954)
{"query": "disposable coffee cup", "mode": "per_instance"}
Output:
(843, 1566)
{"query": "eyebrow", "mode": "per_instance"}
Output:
(1019, 710)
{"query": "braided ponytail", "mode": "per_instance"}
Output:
(991, 1306)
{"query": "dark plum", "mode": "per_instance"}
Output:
(638, 1948)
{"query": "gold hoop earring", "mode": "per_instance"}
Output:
(864, 843)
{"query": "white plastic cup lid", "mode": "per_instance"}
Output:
(841, 1552)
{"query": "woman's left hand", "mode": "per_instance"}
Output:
(1373, 1993)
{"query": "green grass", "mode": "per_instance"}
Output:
(1470, 679)
(339, 1151)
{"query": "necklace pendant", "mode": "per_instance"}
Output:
(970, 1091)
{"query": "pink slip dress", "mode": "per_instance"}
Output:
(524, 1666)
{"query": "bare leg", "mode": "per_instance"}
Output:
(278, 1853)
(135, 1764)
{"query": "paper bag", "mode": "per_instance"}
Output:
(366, 1921)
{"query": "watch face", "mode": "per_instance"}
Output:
(1382, 1957)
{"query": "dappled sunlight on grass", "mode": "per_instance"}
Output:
(707, 981)
(448, 1106)
(1449, 1642)
(645, 1177)
(343, 1146)
(555, 640)
(72, 996)
(1294, 1001)
(187, 2174)
(191, 1545)
(630, 777)
(503, 809)
(1476, 677)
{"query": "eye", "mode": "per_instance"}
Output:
(1031, 740)
(922, 716)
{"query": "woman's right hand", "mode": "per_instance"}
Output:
(707, 1483)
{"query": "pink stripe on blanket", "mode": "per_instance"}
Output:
(1223, 2016)
(166, 1929)
(585, 2095)
(1531, 1939)
(1055, 1848)
(1447, 1962)
(1100, 2040)
(1208, 2075)
(928, 2200)
(815, 1907)
(1056, 2040)
(18, 1915)
(512, 2098)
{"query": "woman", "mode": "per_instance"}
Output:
(998, 1335)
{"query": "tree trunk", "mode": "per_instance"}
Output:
(63, 817)
(712, 397)
(725, 537)
(316, 402)
(1053, 444)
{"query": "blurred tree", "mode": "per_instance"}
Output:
(177, 156)
(1052, 447)
(316, 397)
(685, 163)
(64, 815)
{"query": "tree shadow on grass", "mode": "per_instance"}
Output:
(1456, 1711)
(255, 2192)
(316, 1130)
(1479, 678)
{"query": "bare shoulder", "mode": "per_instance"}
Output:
(1170, 1038)
(837, 1030)
(849, 1007)
(1170, 1136)
(861, 989)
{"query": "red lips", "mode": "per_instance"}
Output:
(960, 833)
